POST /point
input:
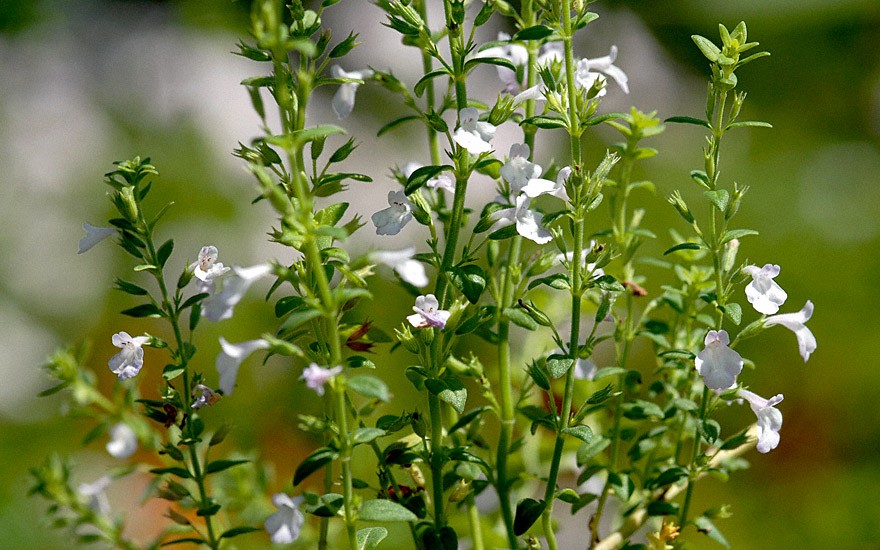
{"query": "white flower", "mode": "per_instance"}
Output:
(539, 186)
(94, 235)
(588, 70)
(123, 441)
(392, 219)
(718, 364)
(443, 181)
(343, 100)
(472, 134)
(517, 54)
(795, 322)
(230, 359)
(763, 293)
(402, 262)
(128, 362)
(769, 419)
(316, 376)
(284, 525)
(220, 305)
(207, 268)
(518, 170)
(208, 396)
(94, 494)
(427, 314)
(528, 222)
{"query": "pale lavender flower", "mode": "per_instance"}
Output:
(128, 362)
(316, 376)
(427, 313)
(472, 134)
(769, 419)
(220, 306)
(528, 222)
(442, 181)
(402, 262)
(231, 358)
(123, 441)
(207, 398)
(392, 219)
(95, 496)
(763, 293)
(539, 186)
(795, 322)
(207, 268)
(94, 235)
(717, 363)
(284, 525)
(343, 100)
(588, 70)
(518, 170)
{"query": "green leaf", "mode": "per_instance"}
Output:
(193, 300)
(188, 540)
(173, 470)
(584, 433)
(588, 450)
(369, 538)
(499, 61)
(737, 234)
(668, 477)
(395, 123)
(172, 371)
(546, 122)
(144, 310)
(298, 318)
(236, 531)
(689, 120)
(423, 82)
(607, 371)
(470, 280)
(369, 386)
(535, 32)
(519, 317)
(558, 365)
(325, 506)
(130, 288)
(164, 252)
(608, 283)
(384, 510)
(220, 465)
(719, 197)
(421, 176)
(314, 462)
(733, 312)
(684, 246)
(749, 124)
(468, 417)
(449, 389)
(528, 510)
(705, 526)
(706, 46)
(641, 409)
(365, 435)
(662, 508)
(54, 390)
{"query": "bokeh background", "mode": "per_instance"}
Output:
(88, 82)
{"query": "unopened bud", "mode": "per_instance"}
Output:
(418, 478)
(460, 492)
(677, 201)
(728, 257)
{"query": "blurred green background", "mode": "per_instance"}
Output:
(87, 82)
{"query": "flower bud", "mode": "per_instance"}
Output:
(460, 492)
(126, 204)
(407, 340)
(501, 110)
(677, 201)
(728, 257)
(415, 473)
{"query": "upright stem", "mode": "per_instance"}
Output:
(691, 477)
(293, 120)
(186, 396)
(564, 415)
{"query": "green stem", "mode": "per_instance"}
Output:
(186, 397)
(691, 477)
(564, 416)
(475, 526)
(345, 452)
(436, 459)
